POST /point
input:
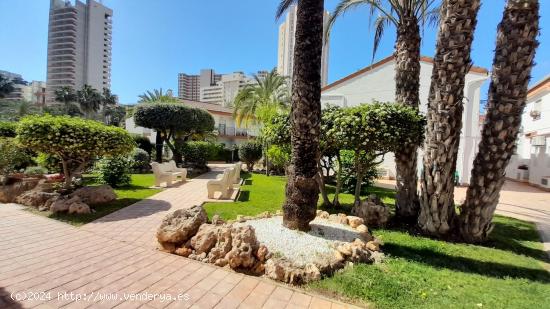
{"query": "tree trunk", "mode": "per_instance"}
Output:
(336, 200)
(322, 188)
(514, 54)
(302, 191)
(178, 156)
(407, 87)
(159, 145)
(67, 174)
(357, 195)
(451, 64)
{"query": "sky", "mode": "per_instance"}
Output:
(153, 41)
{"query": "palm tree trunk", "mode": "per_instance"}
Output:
(514, 54)
(451, 64)
(302, 191)
(407, 87)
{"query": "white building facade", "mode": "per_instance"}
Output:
(226, 89)
(79, 46)
(531, 163)
(285, 53)
(376, 83)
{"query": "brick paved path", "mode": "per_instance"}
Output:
(115, 256)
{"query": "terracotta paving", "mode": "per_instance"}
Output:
(517, 200)
(112, 263)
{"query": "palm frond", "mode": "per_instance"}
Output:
(379, 25)
(283, 7)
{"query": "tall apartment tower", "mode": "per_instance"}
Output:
(285, 54)
(79, 45)
(189, 85)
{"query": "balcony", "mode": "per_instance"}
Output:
(233, 131)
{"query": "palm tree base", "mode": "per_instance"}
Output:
(300, 206)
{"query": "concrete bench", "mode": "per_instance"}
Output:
(223, 184)
(167, 172)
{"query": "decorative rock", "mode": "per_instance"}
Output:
(167, 247)
(35, 198)
(77, 207)
(345, 249)
(339, 218)
(373, 246)
(185, 252)
(354, 221)
(243, 246)
(373, 211)
(311, 273)
(222, 246)
(241, 218)
(364, 232)
(217, 220)
(323, 214)
(262, 253)
(95, 195)
(9, 193)
(62, 204)
(205, 239)
(179, 226)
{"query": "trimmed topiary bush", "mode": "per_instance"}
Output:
(75, 141)
(250, 153)
(197, 153)
(114, 171)
(141, 161)
(7, 129)
(143, 142)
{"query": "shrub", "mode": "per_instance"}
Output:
(74, 141)
(50, 162)
(7, 129)
(279, 158)
(349, 175)
(114, 171)
(35, 171)
(143, 142)
(11, 156)
(197, 153)
(141, 161)
(250, 153)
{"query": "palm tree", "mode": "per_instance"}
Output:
(157, 96)
(302, 191)
(108, 98)
(259, 101)
(514, 54)
(451, 64)
(407, 17)
(89, 100)
(67, 96)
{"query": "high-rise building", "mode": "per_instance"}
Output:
(189, 85)
(225, 90)
(79, 45)
(285, 54)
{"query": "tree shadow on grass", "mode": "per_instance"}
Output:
(467, 265)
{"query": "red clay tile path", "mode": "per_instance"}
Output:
(112, 263)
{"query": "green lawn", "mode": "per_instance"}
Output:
(419, 272)
(136, 191)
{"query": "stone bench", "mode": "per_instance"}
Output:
(167, 172)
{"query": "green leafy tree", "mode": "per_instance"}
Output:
(108, 98)
(74, 141)
(67, 96)
(114, 170)
(259, 101)
(250, 153)
(373, 130)
(6, 86)
(408, 18)
(176, 123)
(89, 99)
(11, 156)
